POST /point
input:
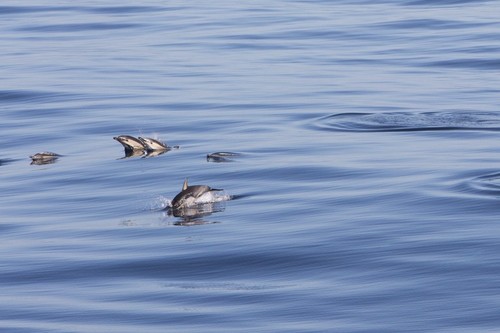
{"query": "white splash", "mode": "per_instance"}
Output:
(160, 202)
(212, 197)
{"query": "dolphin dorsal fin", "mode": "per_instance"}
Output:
(185, 185)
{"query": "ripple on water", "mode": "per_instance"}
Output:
(488, 185)
(6, 161)
(408, 121)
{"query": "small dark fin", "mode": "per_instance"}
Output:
(216, 189)
(185, 185)
(222, 156)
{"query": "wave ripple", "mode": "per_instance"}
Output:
(408, 121)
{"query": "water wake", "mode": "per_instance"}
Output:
(408, 121)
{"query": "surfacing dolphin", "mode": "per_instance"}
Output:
(153, 144)
(193, 195)
(130, 143)
(45, 157)
(221, 156)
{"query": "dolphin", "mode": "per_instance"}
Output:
(45, 157)
(221, 156)
(193, 195)
(153, 144)
(130, 143)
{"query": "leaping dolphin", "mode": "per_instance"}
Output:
(193, 195)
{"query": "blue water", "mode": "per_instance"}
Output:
(366, 189)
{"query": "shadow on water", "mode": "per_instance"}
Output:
(5, 161)
(407, 121)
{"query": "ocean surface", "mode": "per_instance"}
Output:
(365, 193)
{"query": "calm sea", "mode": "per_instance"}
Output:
(366, 192)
